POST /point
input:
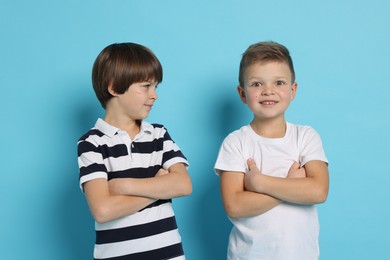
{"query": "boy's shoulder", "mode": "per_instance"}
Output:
(156, 125)
(302, 133)
(91, 132)
(238, 133)
(97, 132)
(152, 127)
(299, 128)
(157, 130)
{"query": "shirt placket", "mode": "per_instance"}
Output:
(123, 135)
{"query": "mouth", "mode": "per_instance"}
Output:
(268, 102)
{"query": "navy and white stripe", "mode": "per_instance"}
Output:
(108, 152)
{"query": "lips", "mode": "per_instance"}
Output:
(268, 102)
(149, 106)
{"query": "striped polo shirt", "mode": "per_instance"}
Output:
(108, 152)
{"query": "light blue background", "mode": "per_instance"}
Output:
(341, 51)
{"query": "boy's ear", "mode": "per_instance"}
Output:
(241, 93)
(111, 90)
(294, 88)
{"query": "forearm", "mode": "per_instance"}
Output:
(300, 190)
(105, 206)
(247, 204)
(175, 183)
(162, 187)
(117, 206)
(240, 203)
(312, 189)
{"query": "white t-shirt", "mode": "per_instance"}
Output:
(288, 231)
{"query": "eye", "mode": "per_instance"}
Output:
(280, 83)
(256, 84)
(149, 84)
(146, 84)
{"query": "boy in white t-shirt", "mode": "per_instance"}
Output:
(272, 172)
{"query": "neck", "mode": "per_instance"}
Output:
(269, 128)
(132, 127)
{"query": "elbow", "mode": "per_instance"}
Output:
(101, 214)
(232, 214)
(101, 219)
(177, 192)
(180, 187)
(232, 211)
(320, 196)
(186, 189)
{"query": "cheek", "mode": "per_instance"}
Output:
(253, 97)
(252, 101)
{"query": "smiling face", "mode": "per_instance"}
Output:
(136, 103)
(268, 89)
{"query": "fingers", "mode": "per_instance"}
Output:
(162, 172)
(296, 166)
(296, 171)
(251, 164)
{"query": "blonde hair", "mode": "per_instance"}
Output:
(264, 52)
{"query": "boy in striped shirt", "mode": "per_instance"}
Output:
(130, 169)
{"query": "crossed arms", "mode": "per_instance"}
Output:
(254, 193)
(109, 200)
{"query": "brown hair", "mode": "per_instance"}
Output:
(123, 64)
(264, 52)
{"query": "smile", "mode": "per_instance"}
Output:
(268, 102)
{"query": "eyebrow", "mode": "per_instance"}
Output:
(260, 78)
(254, 78)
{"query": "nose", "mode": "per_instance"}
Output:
(267, 90)
(153, 93)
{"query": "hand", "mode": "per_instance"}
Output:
(114, 186)
(119, 186)
(296, 171)
(251, 175)
(161, 172)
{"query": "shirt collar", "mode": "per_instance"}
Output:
(110, 130)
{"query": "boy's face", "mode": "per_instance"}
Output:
(268, 89)
(137, 101)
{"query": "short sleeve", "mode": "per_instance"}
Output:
(172, 153)
(90, 161)
(230, 156)
(311, 146)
